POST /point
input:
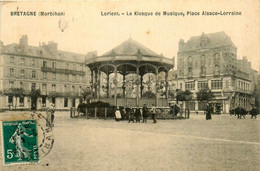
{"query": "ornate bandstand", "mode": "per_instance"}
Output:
(129, 58)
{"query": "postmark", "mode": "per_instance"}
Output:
(20, 142)
(45, 134)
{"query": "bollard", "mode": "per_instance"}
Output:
(95, 113)
(105, 113)
(71, 113)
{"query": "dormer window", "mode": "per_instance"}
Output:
(189, 60)
(203, 40)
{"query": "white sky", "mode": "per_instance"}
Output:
(89, 31)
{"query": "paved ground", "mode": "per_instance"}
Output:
(224, 143)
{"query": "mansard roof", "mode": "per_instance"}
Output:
(44, 51)
(213, 40)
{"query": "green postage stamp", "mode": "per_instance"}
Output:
(20, 142)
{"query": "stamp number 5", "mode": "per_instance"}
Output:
(9, 154)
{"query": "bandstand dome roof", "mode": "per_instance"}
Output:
(130, 47)
(128, 56)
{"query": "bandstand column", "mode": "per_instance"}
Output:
(92, 85)
(156, 86)
(115, 82)
(166, 84)
(137, 87)
(99, 84)
(141, 87)
(95, 83)
(107, 85)
(124, 86)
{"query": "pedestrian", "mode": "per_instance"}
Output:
(153, 110)
(208, 112)
(52, 109)
(253, 112)
(48, 117)
(118, 114)
(145, 113)
(131, 115)
(137, 114)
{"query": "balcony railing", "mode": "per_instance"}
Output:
(62, 71)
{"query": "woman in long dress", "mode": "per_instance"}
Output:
(208, 112)
(118, 114)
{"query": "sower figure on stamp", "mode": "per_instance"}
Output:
(18, 140)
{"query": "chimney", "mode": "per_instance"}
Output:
(1, 45)
(244, 58)
(24, 41)
(181, 44)
(53, 46)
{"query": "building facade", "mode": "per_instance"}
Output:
(210, 61)
(59, 75)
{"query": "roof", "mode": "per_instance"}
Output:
(213, 40)
(43, 51)
(130, 47)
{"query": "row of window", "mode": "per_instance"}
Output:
(243, 85)
(66, 88)
(44, 100)
(215, 85)
(202, 70)
(52, 76)
(52, 64)
(21, 101)
(216, 59)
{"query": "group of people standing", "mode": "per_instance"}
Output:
(134, 115)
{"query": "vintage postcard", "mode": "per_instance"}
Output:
(130, 85)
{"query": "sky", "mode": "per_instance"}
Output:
(87, 30)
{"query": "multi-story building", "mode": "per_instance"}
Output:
(59, 75)
(210, 60)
